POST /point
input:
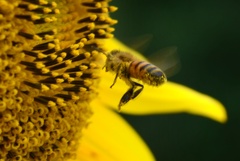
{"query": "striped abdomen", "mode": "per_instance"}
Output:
(146, 72)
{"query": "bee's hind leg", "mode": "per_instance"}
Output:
(137, 92)
(125, 98)
(130, 94)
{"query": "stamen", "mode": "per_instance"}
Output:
(51, 63)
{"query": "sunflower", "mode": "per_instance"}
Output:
(55, 101)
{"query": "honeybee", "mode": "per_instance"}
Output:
(127, 67)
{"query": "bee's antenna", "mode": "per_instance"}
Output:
(103, 67)
(100, 50)
(104, 53)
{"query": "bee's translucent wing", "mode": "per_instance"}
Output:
(167, 60)
(140, 43)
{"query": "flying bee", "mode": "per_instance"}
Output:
(127, 67)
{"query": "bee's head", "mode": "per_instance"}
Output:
(112, 61)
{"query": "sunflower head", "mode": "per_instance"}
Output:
(49, 69)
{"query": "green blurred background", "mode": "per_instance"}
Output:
(207, 34)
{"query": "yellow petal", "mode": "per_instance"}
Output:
(168, 98)
(110, 138)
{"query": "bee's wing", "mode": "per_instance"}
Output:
(140, 43)
(167, 60)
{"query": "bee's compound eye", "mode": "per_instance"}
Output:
(112, 66)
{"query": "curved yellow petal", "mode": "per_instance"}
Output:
(110, 138)
(168, 98)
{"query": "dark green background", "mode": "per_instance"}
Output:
(208, 40)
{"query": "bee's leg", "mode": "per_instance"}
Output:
(137, 92)
(131, 93)
(126, 97)
(115, 79)
(104, 67)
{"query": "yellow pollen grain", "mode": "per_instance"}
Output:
(98, 5)
(83, 40)
(44, 88)
(70, 79)
(109, 35)
(74, 97)
(82, 89)
(87, 82)
(51, 104)
(59, 59)
(105, 10)
(95, 53)
(93, 17)
(113, 8)
(54, 74)
(91, 26)
(74, 46)
(45, 70)
(57, 47)
(35, 17)
(56, 41)
(55, 31)
(62, 104)
(17, 69)
(75, 52)
(60, 101)
(81, 44)
(32, 7)
(41, 55)
(48, 37)
(68, 62)
(40, 65)
(51, 45)
(53, 56)
(110, 29)
(47, 10)
(54, 4)
(54, 86)
(36, 37)
(66, 76)
(93, 65)
(83, 67)
(42, 2)
(111, 21)
(79, 74)
(102, 18)
(87, 54)
(48, 19)
(56, 11)
(59, 80)
(91, 36)
(101, 32)
(54, 18)
(63, 54)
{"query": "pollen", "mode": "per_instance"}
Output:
(50, 63)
